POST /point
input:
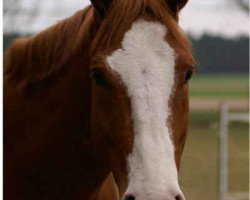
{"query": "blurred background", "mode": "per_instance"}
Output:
(219, 32)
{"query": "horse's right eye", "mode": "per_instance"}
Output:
(188, 75)
(99, 76)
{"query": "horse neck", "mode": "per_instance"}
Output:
(62, 70)
(94, 164)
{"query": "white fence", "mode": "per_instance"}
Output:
(225, 119)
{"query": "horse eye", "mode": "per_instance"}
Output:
(99, 76)
(188, 76)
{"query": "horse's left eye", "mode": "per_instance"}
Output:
(188, 76)
(99, 76)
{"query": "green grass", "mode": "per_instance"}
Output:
(198, 176)
(220, 93)
(238, 157)
(219, 86)
(220, 78)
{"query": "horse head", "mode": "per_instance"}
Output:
(140, 66)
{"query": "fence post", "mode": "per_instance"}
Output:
(223, 139)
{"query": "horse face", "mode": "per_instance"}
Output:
(141, 97)
(141, 107)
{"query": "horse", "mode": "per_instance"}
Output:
(96, 106)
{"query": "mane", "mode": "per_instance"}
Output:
(33, 59)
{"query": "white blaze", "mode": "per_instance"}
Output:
(146, 64)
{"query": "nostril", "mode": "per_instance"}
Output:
(129, 197)
(179, 197)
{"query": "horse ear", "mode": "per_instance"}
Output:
(176, 5)
(101, 6)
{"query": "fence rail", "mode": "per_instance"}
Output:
(238, 196)
(225, 119)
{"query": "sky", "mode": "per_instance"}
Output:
(216, 17)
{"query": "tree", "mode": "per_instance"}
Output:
(17, 15)
(244, 4)
(10, 6)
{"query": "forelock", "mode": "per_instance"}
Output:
(122, 14)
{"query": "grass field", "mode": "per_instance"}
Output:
(199, 170)
(219, 86)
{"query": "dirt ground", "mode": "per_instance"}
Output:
(212, 104)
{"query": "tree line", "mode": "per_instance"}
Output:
(213, 54)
